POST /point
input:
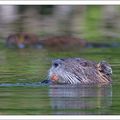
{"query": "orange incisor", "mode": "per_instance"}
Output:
(54, 77)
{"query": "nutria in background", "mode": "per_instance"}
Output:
(22, 40)
(80, 71)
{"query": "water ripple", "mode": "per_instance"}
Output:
(36, 84)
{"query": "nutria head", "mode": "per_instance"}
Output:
(78, 70)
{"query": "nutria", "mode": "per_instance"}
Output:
(79, 70)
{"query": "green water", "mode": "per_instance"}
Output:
(31, 65)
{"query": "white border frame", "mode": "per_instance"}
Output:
(59, 117)
(58, 2)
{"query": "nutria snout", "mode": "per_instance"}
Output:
(79, 70)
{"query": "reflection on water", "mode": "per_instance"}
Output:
(80, 99)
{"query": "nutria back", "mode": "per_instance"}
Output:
(63, 41)
(79, 70)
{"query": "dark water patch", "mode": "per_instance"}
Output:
(35, 84)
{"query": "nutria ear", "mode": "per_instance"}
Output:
(104, 67)
(84, 64)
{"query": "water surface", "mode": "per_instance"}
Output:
(21, 93)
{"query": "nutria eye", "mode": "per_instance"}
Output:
(55, 64)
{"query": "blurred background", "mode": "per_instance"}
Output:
(91, 22)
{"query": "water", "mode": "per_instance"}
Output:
(80, 99)
(21, 91)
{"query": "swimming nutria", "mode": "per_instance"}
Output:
(22, 40)
(79, 70)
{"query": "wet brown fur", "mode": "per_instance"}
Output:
(63, 41)
(78, 70)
